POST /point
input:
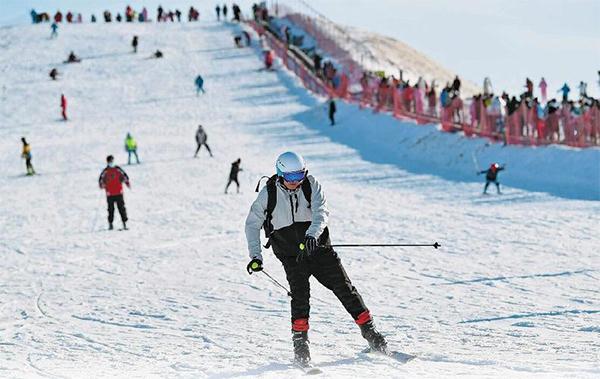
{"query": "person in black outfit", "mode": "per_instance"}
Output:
(233, 174)
(159, 15)
(293, 212)
(218, 10)
(491, 176)
(134, 43)
(456, 85)
(225, 11)
(332, 110)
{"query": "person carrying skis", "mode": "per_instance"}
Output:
(63, 106)
(131, 148)
(233, 174)
(201, 138)
(111, 180)
(26, 154)
(199, 85)
(491, 176)
(293, 211)
(134, 43)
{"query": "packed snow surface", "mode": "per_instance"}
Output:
(513, 292)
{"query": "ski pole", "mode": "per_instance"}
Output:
(434, 245)
(277, 283)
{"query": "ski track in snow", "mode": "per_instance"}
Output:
(514, 290)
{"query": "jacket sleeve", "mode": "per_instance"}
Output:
(101, 179)
(124, 177)
(254, 222)
(320, 212)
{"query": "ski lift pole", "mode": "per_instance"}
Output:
(435, 245)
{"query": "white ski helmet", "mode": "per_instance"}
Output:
(291, 167)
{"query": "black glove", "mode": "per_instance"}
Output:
(255, 265)
(307, 249)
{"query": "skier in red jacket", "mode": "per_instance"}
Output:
(268, 59)
(63, 106)
(111, 180)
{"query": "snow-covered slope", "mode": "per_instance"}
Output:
(513, 292)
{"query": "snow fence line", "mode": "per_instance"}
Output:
(521, 127)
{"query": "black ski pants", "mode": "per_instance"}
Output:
(118, 199)
(326, 267)
(232, 180)
(487, 184)
(200, 146)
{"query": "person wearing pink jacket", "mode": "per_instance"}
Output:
(543, 87)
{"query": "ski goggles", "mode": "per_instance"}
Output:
(294, 177)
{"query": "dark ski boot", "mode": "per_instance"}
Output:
(124, 226)
(110, 226)
(301, 350)
(375, 339)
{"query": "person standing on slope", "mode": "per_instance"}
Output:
(54, 32)
(332, 110)
(26, 154)
(491, 176)
(134, 43)
(199, 85)
(111, 180)
(201, 138)
(293, 211)
(63, 106)
(131, 148)
(233, 175)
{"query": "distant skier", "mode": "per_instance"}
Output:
(134, 43)
(268, 59)
(54, 32)
(199, 85)
(233, 174)
(26, 154)
(225, 12)
(332, 110)
(72, 58)
(63, 106)
(201, 138)
(491, 176)
(131, 148)
(296, 228)
(53, 73)
(218, 10)
(111, 180)
(157, 54)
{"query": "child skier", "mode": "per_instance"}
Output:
(111, 180)
(491, 175)
(296, 228)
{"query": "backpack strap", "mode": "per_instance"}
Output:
(271, 203)
(307, 190)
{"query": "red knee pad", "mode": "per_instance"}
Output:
(300, 325)
(363, 318)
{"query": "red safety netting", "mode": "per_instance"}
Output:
(521, 126)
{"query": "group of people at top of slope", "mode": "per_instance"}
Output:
(132, 15)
